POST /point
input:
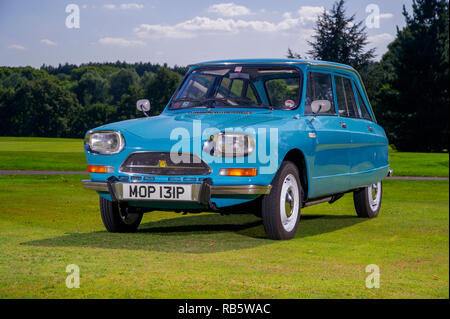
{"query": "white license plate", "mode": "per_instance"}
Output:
(141, 191)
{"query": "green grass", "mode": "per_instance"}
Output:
(40, 153)
(35, 153)
(419, 164)
(48, 222)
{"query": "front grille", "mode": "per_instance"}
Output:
(162, 163)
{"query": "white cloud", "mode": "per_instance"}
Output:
(124, 6)
(48, 42)
(131, 6)
(380, 38)
(309, 14)
(193, 27)
(229, 9)
(17, 47)
(121, 42)
(386, 16)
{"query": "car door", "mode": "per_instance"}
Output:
(331, 139)
(364, 133)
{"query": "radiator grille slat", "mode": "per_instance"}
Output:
(164, 163)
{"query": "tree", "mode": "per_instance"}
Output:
(339, 38)
(414, 99)
(120, 83)
(292, 55)
(42, 107)
(91, 88)
(160, 87)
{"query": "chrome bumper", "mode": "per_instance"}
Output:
(201, 193)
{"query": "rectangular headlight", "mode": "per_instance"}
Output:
(104, 142)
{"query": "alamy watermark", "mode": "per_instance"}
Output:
(73, 280)
(373, 279)
(73, 19)
(373, 19)
(262, 144)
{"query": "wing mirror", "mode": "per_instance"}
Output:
(320, 106)
(143, 106)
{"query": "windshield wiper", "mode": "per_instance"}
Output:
(187, 99)
(202, 102)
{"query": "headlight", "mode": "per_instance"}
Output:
(104, 142)
(230, 145)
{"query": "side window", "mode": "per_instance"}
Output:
(345, 97)
(319, 87)
(362, 105)
(283, 92)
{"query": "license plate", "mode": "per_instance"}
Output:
(140, 191)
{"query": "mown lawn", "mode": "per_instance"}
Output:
(40, 153)
(36, 153)
(48, 222)
(419, 164)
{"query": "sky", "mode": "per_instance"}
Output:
(175, 32)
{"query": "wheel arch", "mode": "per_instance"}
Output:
(297, 157)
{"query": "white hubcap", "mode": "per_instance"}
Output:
(374, 191)
(289, 203)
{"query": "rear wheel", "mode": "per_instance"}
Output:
(119, 219)
(281, 208)
(368, 200)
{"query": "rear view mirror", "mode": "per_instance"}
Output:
(243, 76)
(320, 106)
(143, 106)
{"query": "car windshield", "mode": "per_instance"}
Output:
(240, 86)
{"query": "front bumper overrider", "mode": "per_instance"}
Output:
(201, 193)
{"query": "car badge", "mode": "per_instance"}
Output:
(162, 164)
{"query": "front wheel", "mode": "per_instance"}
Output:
(367, 200)
(281, 208)
(119, 219)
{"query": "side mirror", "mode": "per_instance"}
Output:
(143, 106)
(320, 106)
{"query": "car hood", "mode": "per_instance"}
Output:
(161, 126)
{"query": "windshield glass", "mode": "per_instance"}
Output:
(240, 86)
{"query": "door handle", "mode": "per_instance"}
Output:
(370, 128)
(343, 125)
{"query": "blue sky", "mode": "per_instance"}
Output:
(173, 32)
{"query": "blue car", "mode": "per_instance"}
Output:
(267, 137)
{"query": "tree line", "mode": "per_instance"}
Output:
(67, 100)
(408, 87)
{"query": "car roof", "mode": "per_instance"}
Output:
(277, 61)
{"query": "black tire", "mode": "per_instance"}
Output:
(271, 204)
(365, 207)
(119, 219)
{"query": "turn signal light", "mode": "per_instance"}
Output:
(100, 169)
(238, 172)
